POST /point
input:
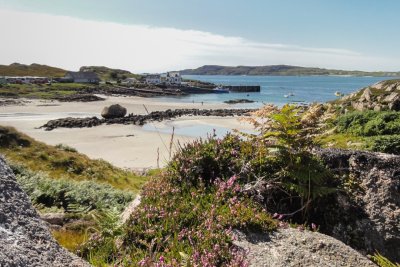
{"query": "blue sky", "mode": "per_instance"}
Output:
(359, 29)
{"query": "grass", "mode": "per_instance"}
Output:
(59, 162)
(43, 91)
(70, 239)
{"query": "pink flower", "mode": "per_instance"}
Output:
(161, 259)
(313, 226)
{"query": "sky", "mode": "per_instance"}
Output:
(159, 35)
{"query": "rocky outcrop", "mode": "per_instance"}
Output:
(238, 101)
(368, 218)
(80, 98)
(292, 247)
(142, 119)
(113, 111)
(384, 95)
(24, 238)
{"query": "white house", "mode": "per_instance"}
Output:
(174, 77)
(153, 79)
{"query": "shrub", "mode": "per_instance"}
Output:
(176, 224)
(370, 123)
(386, 144)
(86, 195)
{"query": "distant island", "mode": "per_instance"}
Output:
(279, 70)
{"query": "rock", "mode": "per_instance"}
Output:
(391, 98)
(142, 119)
(368, 219)
(292, 247)
(24, 238)
(378, 107)
(113, 111)
(238, 101)
(54, 218)
(366, 96)
(395, 105)
(80, 98)
(359, 106)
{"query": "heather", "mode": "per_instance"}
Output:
(213, 187)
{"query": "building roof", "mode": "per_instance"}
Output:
(82, 75)
(173, 74)
(153, 76)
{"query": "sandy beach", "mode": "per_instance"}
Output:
(126, 146)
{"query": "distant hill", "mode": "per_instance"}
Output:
(109, 74)
(278, 70)
(17, 69)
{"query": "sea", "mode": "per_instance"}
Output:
(298, 89)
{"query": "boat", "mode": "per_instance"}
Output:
(286, 96)
(220, 90)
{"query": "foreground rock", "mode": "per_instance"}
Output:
(24, 238)
(368, 219)
(113, 111)
(292, 247)
(142, 119)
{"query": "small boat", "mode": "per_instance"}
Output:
(291, 94)
(337, 93)
(286, 96)
(220, 90)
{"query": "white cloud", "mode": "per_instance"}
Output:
(70, 43)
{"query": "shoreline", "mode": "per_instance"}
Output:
(125, 146)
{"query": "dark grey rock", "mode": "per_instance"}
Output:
(24, 238)
(368, 218)
(113, 111)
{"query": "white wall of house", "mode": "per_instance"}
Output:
(153, 79)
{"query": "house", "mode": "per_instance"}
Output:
(153, 79)
(173, 77)
(81, 77)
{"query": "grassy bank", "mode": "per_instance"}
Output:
(64, 162)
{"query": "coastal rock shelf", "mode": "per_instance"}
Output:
(142, 119)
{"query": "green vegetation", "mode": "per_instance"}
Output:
(383, 262)
(105, 73)
(212, 186)
(70, 196)
(279, 70)
(371, 130)
(17, 69)
(43, 91)
(61, 162)
(370, 123)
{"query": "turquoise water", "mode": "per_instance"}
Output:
(306, 89)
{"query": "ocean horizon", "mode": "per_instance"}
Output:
(305, 89)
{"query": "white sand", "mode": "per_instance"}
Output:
(113, 143)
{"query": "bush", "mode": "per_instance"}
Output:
(87, 195)
(370, 123)
(386, 144)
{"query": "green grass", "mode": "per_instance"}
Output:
(38, 91)
(59, 163)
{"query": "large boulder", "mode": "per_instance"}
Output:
(368, 216)
(292, 247)
(113, 111)
(24, 238)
